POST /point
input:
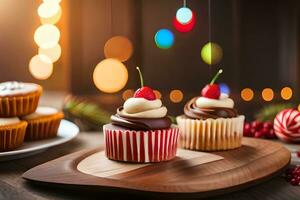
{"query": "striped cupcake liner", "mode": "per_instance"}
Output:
(12, 136)
(140, 146)
(43, 128)
(19, 105)
(211, 134)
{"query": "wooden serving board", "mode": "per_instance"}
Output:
(190, 174)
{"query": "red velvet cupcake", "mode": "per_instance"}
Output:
(140, 131)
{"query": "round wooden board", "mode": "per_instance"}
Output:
(188, 176)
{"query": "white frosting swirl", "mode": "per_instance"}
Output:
(143, 108)
(12, 88)
(224, 101)
(9, 121)
(41, 112)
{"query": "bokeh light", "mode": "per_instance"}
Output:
(176, 96)
(53, 52)
(52, 1)
(127, 94)
(157, 94)
(118, 47)
(46, 36)
(110, 75)
(184, 15)
(52, 20)
(211, 53)
(184, 27)
(40, 67)
(164, 38)
(286, 93)
(247, 94)
(299, 107)
(48, 9)
(267, 94)
(224, 88)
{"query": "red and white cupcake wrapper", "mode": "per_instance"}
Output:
(141, 146)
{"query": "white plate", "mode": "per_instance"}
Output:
(66, 132)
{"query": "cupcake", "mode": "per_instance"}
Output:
(18, 99)
(12, 132)
(140, 131)
(210, 122)
(43, 123)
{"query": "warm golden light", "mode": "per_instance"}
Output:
(127, 94)
(110, 75)
(299, 107)
(53, 53)
(157, 94)
(46, 36)
(118, 47)
(286, 93)
(267, 94)
(40, 67)
(176, 96)
(48, 9)
(52, 1)
(247, 94)
(52, 20)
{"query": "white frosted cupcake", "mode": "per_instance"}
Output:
(12, 132)
(140, 131)
(210, 122)
(43, 123)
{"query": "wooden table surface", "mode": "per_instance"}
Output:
(12, 186)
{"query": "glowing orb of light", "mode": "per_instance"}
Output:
(224, 88)
(157, 94)
(267, 94)
(53, 52)
(52, 1)
(127, 94)
(247, 94)
(184, 15)
(52, 20)
(110, 75)
(176, 96)
(164, 38)
(46, 36)
(286, 93)
(211, 53)
(184, 27)
(118, 47)
(48, 9)
(40, 67)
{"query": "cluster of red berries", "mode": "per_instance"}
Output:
(292, 175)
(259, 130)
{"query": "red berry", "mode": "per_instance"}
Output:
(257, 125)
(268, 125)
(145, 92)
(211, 91)
(247, 130)
(259, 134)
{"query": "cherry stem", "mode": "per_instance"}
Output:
(216, 76)
(141, 77)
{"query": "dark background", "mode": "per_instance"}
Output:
(259, 40)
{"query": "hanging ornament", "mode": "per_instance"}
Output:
(184, 27)
(184, 15)
(164, 38)
(211, 53)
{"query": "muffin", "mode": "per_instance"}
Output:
(43, 123)
(12, 132)
(210, 122)
(18, 99)
(140, 131)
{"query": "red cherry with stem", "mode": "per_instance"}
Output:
(212, 90)
(145, 91)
